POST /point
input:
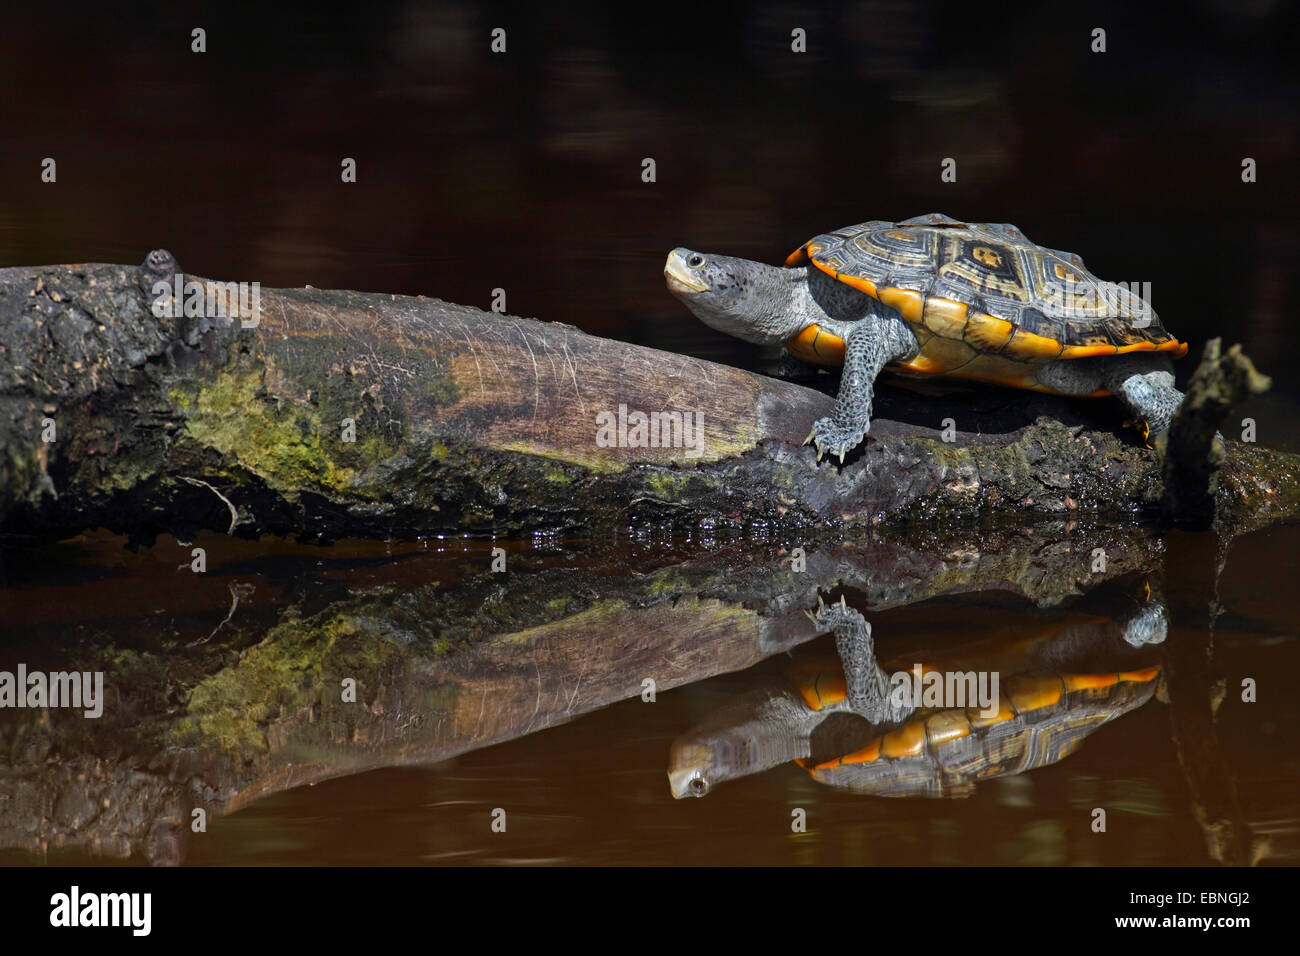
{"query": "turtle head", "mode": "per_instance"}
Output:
(752, 732)
(750, 300)
(691, 769)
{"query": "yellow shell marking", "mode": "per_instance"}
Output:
(814, 344)
(907, 741)
(951, 337)
(977, 721)
(945, 317)
(1139, 677)
(821, 690)
(946, 725)
(867, 754)
(1034, 693)
(1026, 693)
(1088, 681)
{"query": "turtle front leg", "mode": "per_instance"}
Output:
(869, 346)
(866, 683)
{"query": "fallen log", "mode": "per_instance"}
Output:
(330, 413)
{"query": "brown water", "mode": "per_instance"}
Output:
(523, 173)
(595, 789)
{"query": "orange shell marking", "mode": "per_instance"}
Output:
(822, 690)
(1173, 346)
(1034, 693)
(1028, 693)
(862, 285)
(907, 741)
(1139, 677)
(867, 754)
(816, 345)
(986, 333)
(1075, 682)
(946, 725)
(978, 720)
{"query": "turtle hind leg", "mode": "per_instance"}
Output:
(870, 345)
(1145, 384)
(1147, 624)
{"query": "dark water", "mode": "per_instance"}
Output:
(592, 787)
(523, 172)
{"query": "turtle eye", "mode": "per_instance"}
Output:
(699, 786)
(695, 260)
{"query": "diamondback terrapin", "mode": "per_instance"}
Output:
(935, 296)
(943, 752)
(1053, 691)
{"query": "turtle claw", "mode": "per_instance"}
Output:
(1143, 428)
(831, 438)
(836, 615)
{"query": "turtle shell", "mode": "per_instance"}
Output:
(1041, 720)
(984, 300)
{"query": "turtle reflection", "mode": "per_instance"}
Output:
(857, 726)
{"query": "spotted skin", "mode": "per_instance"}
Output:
(866, 683)
(870, 345)
(936, 296)
(1144, 383)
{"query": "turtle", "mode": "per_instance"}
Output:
(933, 295)
(943, 752)
(1058, 687)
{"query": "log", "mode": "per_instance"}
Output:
(334, 413)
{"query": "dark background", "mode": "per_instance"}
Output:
(523, 170)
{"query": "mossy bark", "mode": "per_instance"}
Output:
(465, 421)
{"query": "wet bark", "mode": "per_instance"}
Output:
(350, 414)
(1194, 455)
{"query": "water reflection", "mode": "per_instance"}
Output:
(346, 662)
(933, 727)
